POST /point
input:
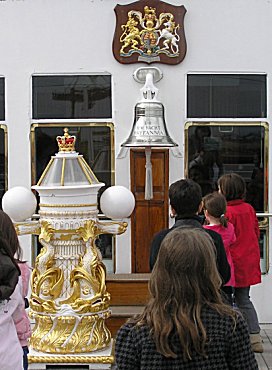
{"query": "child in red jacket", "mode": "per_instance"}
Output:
(245, 251)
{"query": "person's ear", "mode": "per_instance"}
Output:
(173, 213)
(200, 207)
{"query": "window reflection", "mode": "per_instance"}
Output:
(71, 96)
(228, 96)
(215, 150)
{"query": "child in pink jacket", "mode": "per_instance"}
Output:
(22, 321)
(215, 205)
(23, 324)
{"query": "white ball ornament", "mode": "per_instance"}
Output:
(117, 202)
(19, 203)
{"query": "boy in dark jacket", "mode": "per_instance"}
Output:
(186, 203)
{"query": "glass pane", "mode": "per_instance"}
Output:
(215, 150)
(2, 163)
(226, 96)
(52, 178)
(2, 99)
(71, 97)
(68, 172)
(74, 174)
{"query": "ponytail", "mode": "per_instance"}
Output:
(223, 220)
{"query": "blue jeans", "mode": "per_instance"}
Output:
(25, 360)
(243, 302)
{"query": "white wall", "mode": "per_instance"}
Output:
(75, 36)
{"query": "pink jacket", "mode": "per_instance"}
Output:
(228, 237)
(23, 324)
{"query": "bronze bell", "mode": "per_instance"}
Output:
(149, 127)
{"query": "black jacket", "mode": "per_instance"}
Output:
(9, 275)
(194, 222)
(228, 347)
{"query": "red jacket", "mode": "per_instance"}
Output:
(245, 251)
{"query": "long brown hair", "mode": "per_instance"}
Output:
(8, 232)
(184, 280)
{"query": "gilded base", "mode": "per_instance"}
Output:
(100, 360)
(70, 334)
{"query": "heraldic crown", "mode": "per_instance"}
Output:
(66, 142)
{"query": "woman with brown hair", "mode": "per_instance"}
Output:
(185, 324)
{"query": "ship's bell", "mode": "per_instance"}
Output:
(149, 127)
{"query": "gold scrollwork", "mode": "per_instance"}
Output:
(92, 228)
(89, 230)
(88, 280)
(54, 279)
(39, 305)
(70, 334)
(75, 321)
(263, 224)
(47, 231)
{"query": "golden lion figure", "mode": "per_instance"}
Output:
(131, 35)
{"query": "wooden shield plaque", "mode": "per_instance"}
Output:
(149, 31)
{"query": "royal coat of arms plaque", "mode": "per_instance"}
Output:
(149, 31)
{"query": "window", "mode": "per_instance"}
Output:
(213, 149)
(226, 96)
(66, 96)
(81, 98)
